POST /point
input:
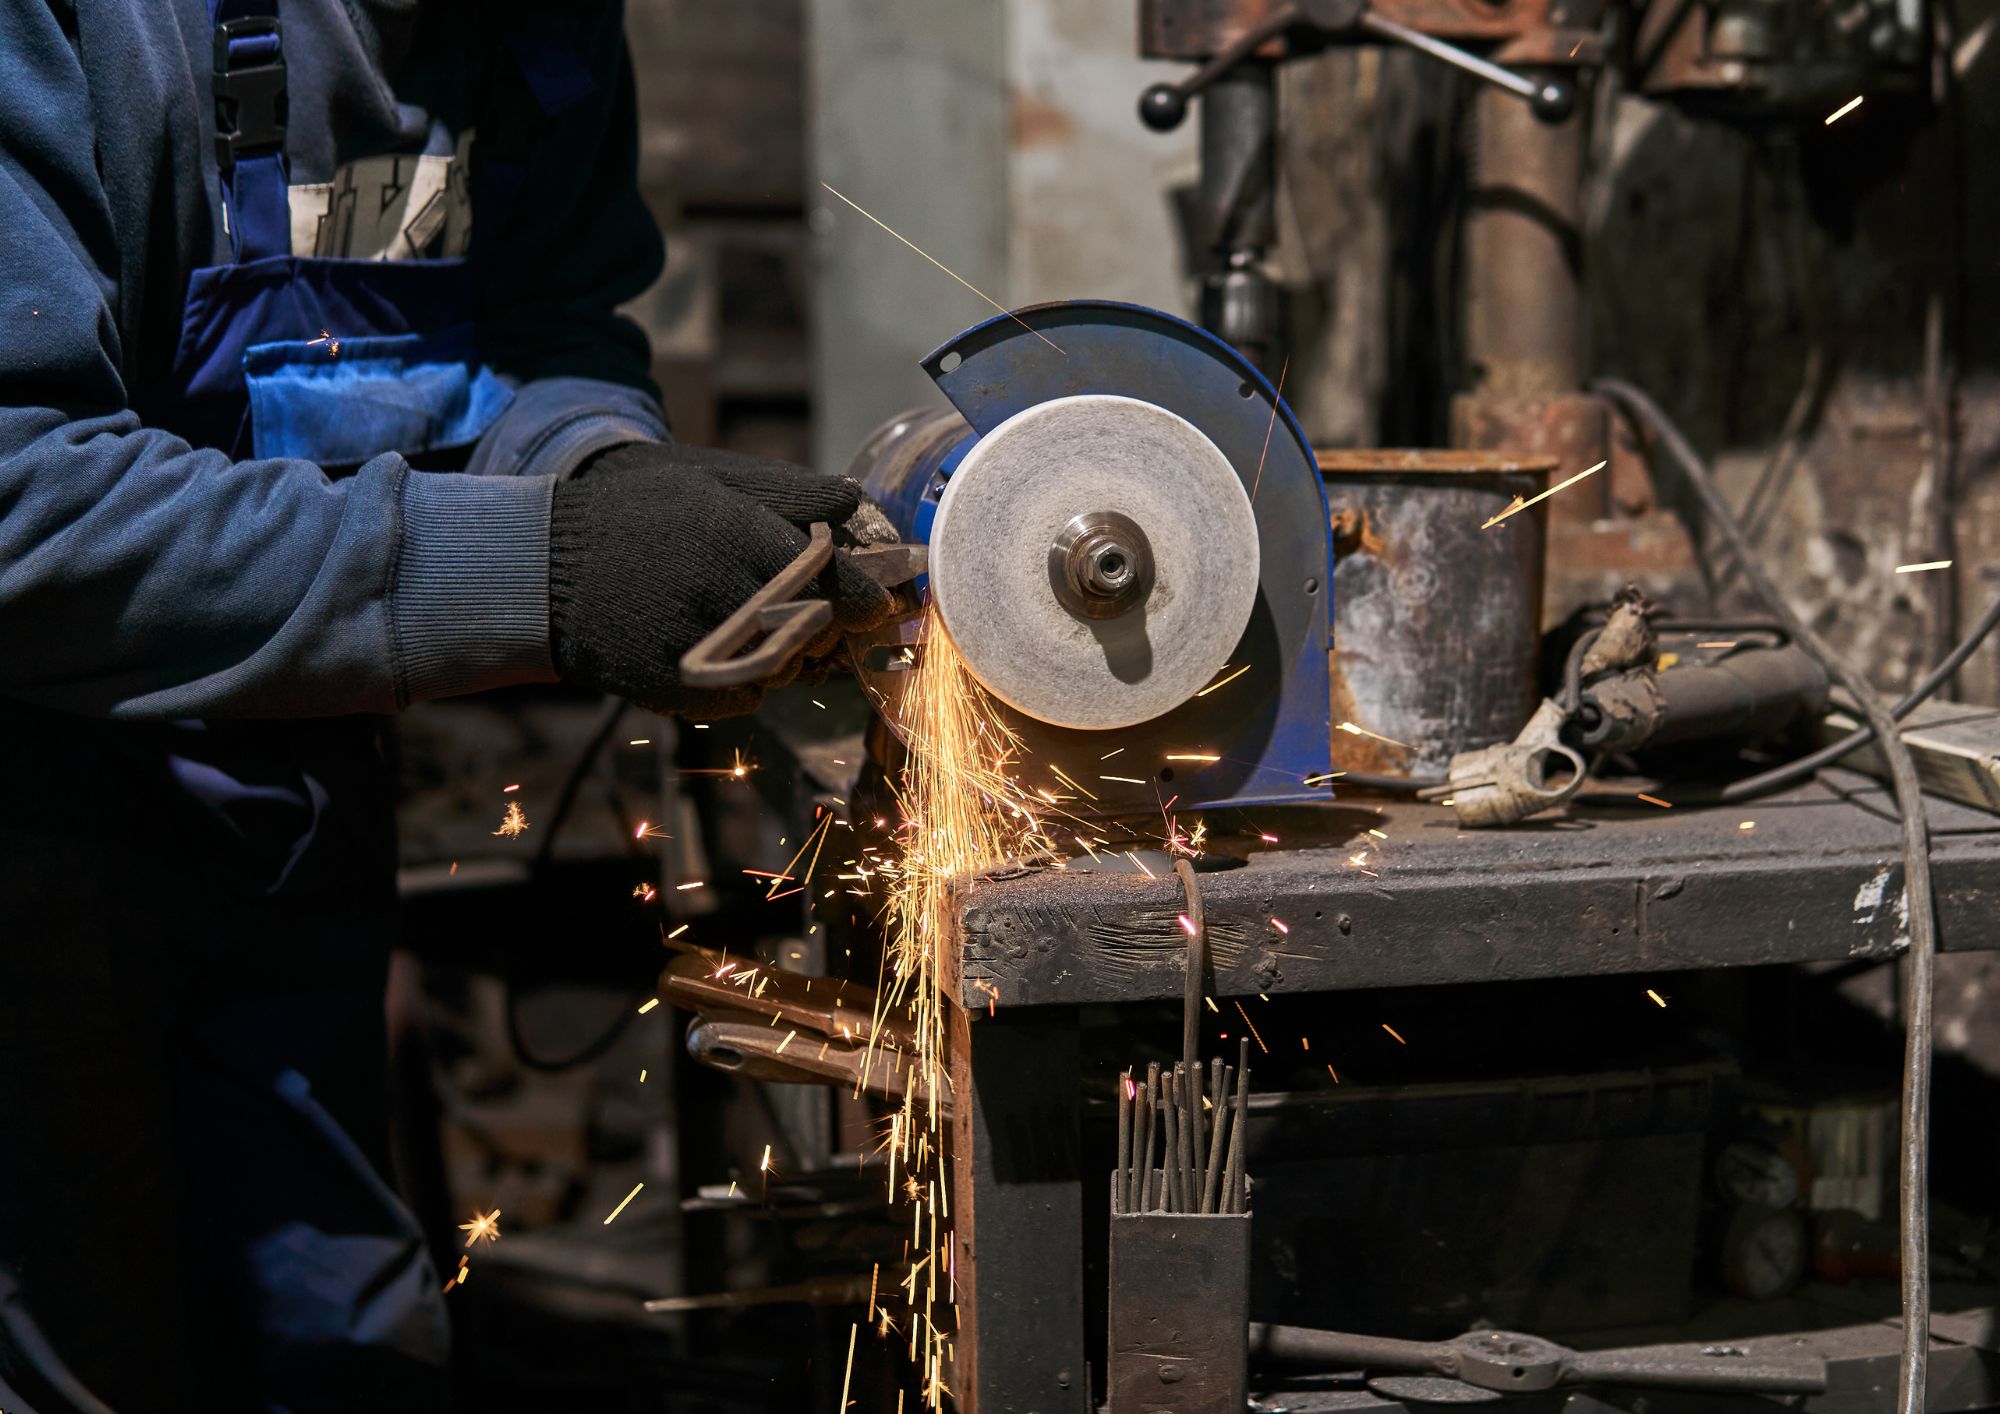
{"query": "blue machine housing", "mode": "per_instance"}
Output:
(1269, 728)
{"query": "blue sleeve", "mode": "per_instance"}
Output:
(140, 577)
(575, 246)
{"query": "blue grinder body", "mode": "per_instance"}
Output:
(1270, 730)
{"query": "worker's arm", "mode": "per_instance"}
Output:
(573, 246)
(142, 578)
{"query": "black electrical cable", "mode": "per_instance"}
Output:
(27, 1351)
(1779, 776)
(1920, 962)
(614, 713)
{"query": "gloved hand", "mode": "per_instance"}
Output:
(651, 545)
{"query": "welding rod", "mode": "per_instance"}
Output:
(1191, 996)
(1218, 1128)
(1190, 1140)
(1122, 1180)
(1151, 1095)
(1232, 1179)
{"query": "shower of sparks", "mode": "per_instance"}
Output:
(1521, 505)
(1747, 825)
(649, 1006)
(1723, 643)
(333, 344)
(640, 741)
(1258, 480)
(1127, 780)
(621, 1207)
(963, 813)
(513, 822)
(1224, 682)
(1193, 756)
(483, 1227)
(678, 931)
(1842, 111)
(1279, 925)
(1353, 730)
(1322, 778)
(1655, 800)
(1187, 925)
(1378, 834)
(1657, 998)
(1394, 1032)
(942, 266)
(1109, 754)
(645, 893)
(509, 790)
(1927, 564)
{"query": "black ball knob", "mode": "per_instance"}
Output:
(1163, 107)
(1553, 101)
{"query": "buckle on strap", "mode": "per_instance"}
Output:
(250, 104)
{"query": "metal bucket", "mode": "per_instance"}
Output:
(1436, 621)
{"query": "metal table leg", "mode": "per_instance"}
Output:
(1016, 1181)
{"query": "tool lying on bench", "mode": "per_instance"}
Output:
(1509, 1362)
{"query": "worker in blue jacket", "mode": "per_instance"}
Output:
(313, 405)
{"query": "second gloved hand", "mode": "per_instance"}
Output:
(648, 554)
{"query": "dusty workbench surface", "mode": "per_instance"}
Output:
(1617, 886)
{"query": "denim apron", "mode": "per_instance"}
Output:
(306, 1283)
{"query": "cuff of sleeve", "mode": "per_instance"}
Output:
(575, 442)
(470, 607)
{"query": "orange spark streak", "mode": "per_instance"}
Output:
(942, 266)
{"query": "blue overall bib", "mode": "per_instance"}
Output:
(278, 1269)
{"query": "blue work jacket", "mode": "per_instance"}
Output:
(144, 577)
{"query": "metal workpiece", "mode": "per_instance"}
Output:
(1419, 583)
(1749, 694)
(1504, 784)
(1178, 1313)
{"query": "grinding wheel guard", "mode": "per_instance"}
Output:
(786, 622)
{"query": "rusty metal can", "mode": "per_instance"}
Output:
(1436, 619)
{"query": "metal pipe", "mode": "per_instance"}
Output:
(1523, 271)
(1239, 208)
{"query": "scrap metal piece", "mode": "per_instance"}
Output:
(786, 622)
(756, 1050)
(1500, 785)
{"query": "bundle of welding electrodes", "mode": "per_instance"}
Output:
(1180, 1140)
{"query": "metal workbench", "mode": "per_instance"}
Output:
(1616, 886)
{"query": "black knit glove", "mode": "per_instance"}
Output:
(650, 548)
